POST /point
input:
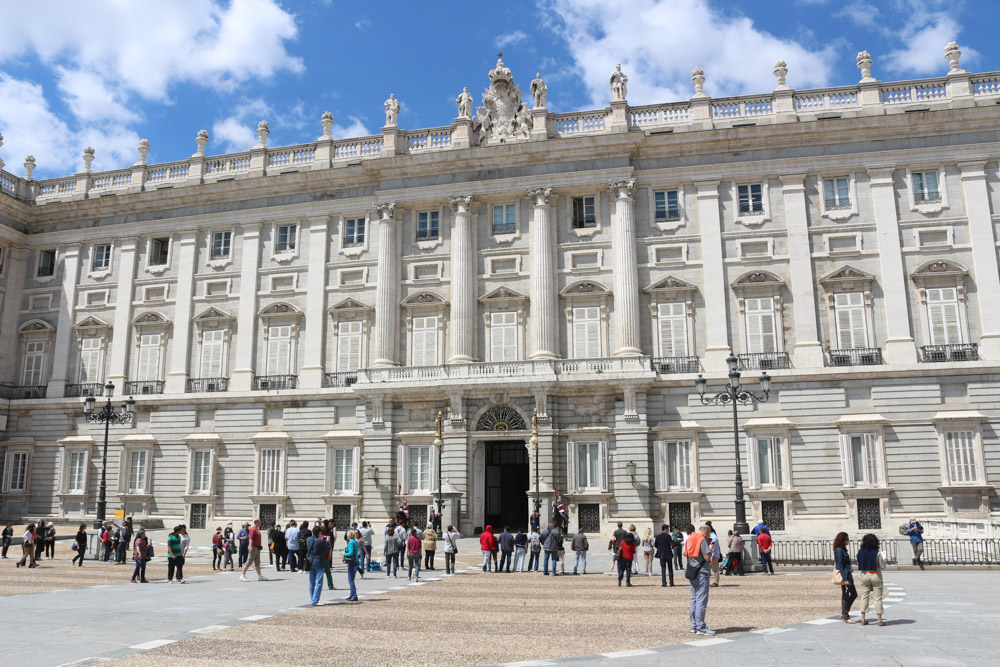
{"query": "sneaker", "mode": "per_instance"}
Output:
(243, 578)
(181, 581)
(261, 577)
(133, 581)
(705, 632)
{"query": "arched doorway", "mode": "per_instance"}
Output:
(506, 473)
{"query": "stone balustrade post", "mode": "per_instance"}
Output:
(462, 135)
(393, 141)
(463, 283)
(543, 292)
(387, 288)
(625, 271)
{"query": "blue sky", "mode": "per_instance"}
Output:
(106, 73)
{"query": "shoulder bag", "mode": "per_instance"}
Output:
(692, 571)
(837, 579)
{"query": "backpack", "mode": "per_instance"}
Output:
(536, 542)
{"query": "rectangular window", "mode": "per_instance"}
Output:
(212, 347)
(279, 350)
(17, 471)
(158, 249)
(354, 232)
(503, 219)
(34, 363)
(761, 328)
(102, 257)
(221, 245)
(270, 471)
(678, 464)
(836, 193)
(587, 332)
(769, 461)
(343, 470)
(751, 199)
(286, 238)
(137, 465)
(90, 360)
(427, 225)
(584, 212)
(960, 448)
(76, 472)
(666, 206)
(425, 341)
(942, 315)
(41, 302)
(849, 310)
(46, 263)
(348, 346)
(672, 320)
(158, 293)
(97, 298)
(419, 468)
(925, 187)
(201, 474)
(149, 357)
(864, 459)
(588, 461)
(503, 336)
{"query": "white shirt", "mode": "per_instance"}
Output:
(450, 542)
(292, 537)
(185, 543)
(366, 535)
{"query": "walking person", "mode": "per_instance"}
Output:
(636, 540)
(391, 548)
(580, 547)
(255, 544)
(315, 553)
(351, 552)
(842, 560)
(243, 538)
(217, 548)
(50, 541)
(648, 548)
(175, 562)
(625, 557)
(734, 554)
(430, 546)
(664, 552)
(535, 540)
(487, 543)
(677, 537)
(870, 564)
(140, 554)
(364, 537)
(698, 551)
(764, 546)
(450, 549)
(292, 539)
(8, 535)
(413, 545)
(716, 554)
(505, 541)
(80, 543)
(552, 541)
(28, 547)
(916, 533)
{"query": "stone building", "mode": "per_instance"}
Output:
(292, 320)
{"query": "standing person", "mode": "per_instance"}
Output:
(81, 544)
(8, 535)
(185, 544)
(916, 533)
(140, 554)
(520, 548)
(124, 540)
(229, 549)
(636, 540)
(280, 548)
(842, 559)
(625, 556)
(50, 541)
(677, 537)
(292, 538)
(351, 550)
(105, 536)
(391, 549)
(243, 537)
(435, 521)
(217, 548)
(648, 547)
(698, 551)
(450, 549)
(39, 540)
(402, 536)
(430, 546)
(870, 564)
(175, 562)
(28, 546)
(487, 543)
(552, 541)
(535, 540)
(614, 543)
(716, 554)
(764, 545)
(761, 528)
(364, 537)
(304, 533)
(315, 553)
(328, 561)
(535, 522)
(664, 545)
(735, 553)
(506, 543)
(580, 547)
(255, 544)
(413, 545)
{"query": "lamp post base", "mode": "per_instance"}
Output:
(741, 528)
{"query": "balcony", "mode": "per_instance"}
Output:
(84, 389)
(670, 215)
(343, 379)
(927, 197)
(18, 392)
(859, 356)
(523, 370)
(143, 387)
(670, 365)
(275, 382)
(199, 385)
(837, 204)
(937, 354)
(503, 228)
(764, 361)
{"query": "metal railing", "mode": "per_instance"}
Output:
(669, 216)
(962, 552)
(858, 356)
(927, 197)
(665, 365)
(819, 552)
(196, 385)
(841, 204)
(84, 389)
(143, 387)
(18, 392)
(272, 382)
(764, 361)
(931, 354)
(342, 379)
(504, 228)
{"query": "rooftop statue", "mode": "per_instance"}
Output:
(619, 85)
(391, 110)
(503, 116)
(464, 102)
(540, 91)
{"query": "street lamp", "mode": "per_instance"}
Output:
(735, 394)
(107, 415)
(534, 443)
(439, 443)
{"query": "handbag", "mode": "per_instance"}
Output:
(692, 571)
(837, 579)
(74, 546)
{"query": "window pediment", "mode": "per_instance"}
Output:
(670, 286)
(847, 277)
(36, 327)
(502, 295)
(349, 306)
(939, 270)
(424, 299)
(214, 317)
(585, 288)
(758, 280)
(92, 324)
(279, 310)
(151, 319)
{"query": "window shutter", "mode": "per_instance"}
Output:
(846, 460)
(873, 460)
(149, 357)
(579, 335)
(503, 336)
(90, 360)
(604, 464)
(753, 461)
(673, 329)
(279, 350)
(401, 471)
(942, 313)
(571, 463)
(211, 354)
(349, 346)
(660, 479)
(587, 332)
(684, 464)
(356, 470)
(960, 446)
(425, 351)
(849, 308)
(777, 461)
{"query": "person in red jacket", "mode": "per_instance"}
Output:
(487, 544)
(626, 552)
(764, 544)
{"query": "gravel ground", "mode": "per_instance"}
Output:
(60, 573)
(481, 618)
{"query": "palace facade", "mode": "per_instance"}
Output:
(292, 320)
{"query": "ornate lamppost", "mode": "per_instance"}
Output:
(735, 394)
(107, 415)
(439, 443)
(534, 443)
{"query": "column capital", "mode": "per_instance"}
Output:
(622, 187)
(540, 195)
(251, 227)
(460, 203)
(385, 209)
(707, 188)
(882, 174)
(793, 182)
(972, 169)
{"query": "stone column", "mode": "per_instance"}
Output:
(246, 319)
(626, 271)
(463, 283)
(899, 347)
(10, 354)
(312, 357)
(808, 351)
(714, 274)
(64, 328)
(387, 288)
(180, 355)
(984, 256)
(544, 293)
(121, 334)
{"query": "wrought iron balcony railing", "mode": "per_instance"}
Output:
(859, 356)
(273, 382)
(197, 385)
(143, 387)
(84, 389)
(932, 354)
(665, 365)
(764, 361)
(342, 379)
(18, 392)
(927, 197)
(503, 228)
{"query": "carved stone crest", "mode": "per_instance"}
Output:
(503, 116)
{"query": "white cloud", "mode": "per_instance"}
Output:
(363, 24)
(510, 39)
(923, 41)
(30, 127)
(864, 14)
(238, 132)
(355, 129)
(89, 97)
(737, 56)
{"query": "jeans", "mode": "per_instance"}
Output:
(315, 583)
(216, 557)
(352, 569)
(293, 559)
(228, 565)
(50, 550)
(449, 562)
(486, 561)
(848, 594)
(506, 558)
(414, 562)
(765, 562)
(390, 563)
(6, 545)
(140, 571)
(519, 559)
(699, 598)
(666, 564)
(107, 551)
(678, 561)
(119, 556)
(175, 564)
(428, 560)
(624, 570)
(580, 556)
(244, 552)
(554, 557)
(366, 558)
(533, 561)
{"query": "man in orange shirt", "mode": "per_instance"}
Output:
(698, 552)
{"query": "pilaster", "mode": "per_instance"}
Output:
(118, 368)
(246, 320)
(312, 358)
(463, 283)
(180, 354)
(386, 345)
(544, 295)
(713, 270)
(625, 271)
(984, 255)
(9, 353)
(64, 328)
(808, 351)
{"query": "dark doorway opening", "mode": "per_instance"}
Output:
(507, 482)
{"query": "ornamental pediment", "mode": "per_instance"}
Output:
(585, 288)
(214, 315)
(35, 327)
(280, 309)
(349, 305)
(939, 269)
(92, 323)
(846, 274)
(503, 294)
(424, 299)
(758, 279)
(150, 319)
(670, 284)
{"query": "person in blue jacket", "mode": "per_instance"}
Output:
(916, 533)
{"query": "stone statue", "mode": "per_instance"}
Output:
(391, 110)
(619, 85)
(464, 102)
(540, 91)
(503, 116)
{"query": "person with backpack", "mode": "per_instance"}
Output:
(352, 551)
(520, 548)
(391, 550)
(552, 540)
(580, 548)
(535, 540)
(625, 557)
(315, 555)
(141, 555)
(450, 549)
